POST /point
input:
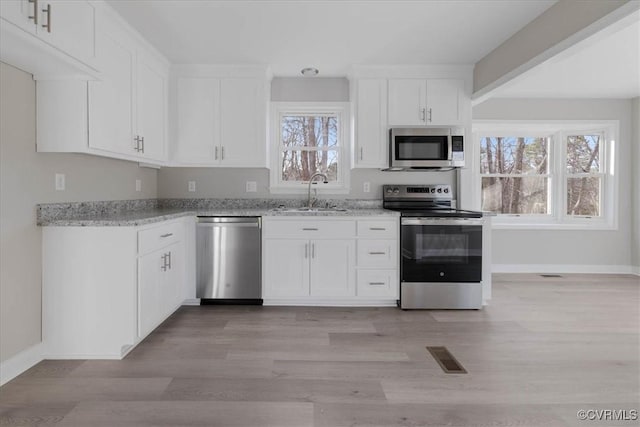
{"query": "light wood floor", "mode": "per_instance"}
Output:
(541, 351)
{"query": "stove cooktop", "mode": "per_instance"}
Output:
(435, 213)
(428, 201)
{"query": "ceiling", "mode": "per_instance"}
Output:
(606, 65)
(330, 35)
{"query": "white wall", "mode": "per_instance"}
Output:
(26, 179)
(589, 250)
(635, 187)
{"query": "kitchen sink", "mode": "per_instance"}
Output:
(309, 209)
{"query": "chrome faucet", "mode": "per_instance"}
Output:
(326, 181)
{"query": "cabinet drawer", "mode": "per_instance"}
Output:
(378, 253)
(159, 237)
(309, 229)
(377, 284)
(381, 229)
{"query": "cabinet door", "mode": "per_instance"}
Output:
(69, 25)
(371, 124)
(286, 268)
(150, 282)
(20, 13)
(407, 104)
(242, 121)
(198, 121)
(332, 268)
(443, 101)
(151, 98)
(111, 99)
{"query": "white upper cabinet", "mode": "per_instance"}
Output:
(371, 137)
(151, 108)
(111, 98)
(49, 38)
(69, 25)
(242, 122)
(121, 115)
(198, 104)
(220, 121)
(421, 102)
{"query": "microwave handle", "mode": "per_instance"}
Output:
(450, 144)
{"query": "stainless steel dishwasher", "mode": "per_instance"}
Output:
(228, 260)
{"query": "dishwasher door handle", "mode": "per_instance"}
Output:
(228, 224)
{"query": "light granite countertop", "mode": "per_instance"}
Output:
(149, 216)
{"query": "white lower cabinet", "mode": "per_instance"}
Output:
(313, 261)
(105, 288)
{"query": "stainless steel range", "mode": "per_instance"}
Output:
(441, 248)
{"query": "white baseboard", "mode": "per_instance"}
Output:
(191, 301)
(635, 270)
(563, 268)
(15, 365)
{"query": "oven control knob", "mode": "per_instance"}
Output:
(389, 190)
(433, 190)
(446, 190)
(439, 190)
(442, 274)
(396, 190)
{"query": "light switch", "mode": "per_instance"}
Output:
(138, 185)
(60, 182)
(252, 187)
(366, 187)
(192, 186)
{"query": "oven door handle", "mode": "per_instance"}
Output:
(440, 221)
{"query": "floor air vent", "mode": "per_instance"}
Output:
(550, 275)
(447, 362)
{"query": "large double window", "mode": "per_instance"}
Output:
(309, 138)
(556, 174)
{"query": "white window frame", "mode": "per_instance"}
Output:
(557, 130)
(342, 111)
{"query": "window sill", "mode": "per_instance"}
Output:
(496, 224)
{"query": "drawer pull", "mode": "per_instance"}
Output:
(166, 235)
(377, 228)
(377, 253)
(377, 283)
(310, 229)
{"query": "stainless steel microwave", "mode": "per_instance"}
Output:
(421, 148)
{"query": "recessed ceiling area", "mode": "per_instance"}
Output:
(328, 35)
(605, 65)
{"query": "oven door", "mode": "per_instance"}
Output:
(441, 250)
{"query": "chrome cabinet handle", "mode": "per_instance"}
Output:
(222, 153)
(377, 283)
(306, 250)
(137, 140)
(313, 250)
(169, 258)
(361, 151)
(309, 229)
(166, 235)
(377, 228)
(216, 154)
(35, 11)
(423, 114)
(163, 267)
(377, 253)
(142, 144)
(430, 115)
(48, 24)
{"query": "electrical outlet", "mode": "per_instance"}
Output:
(60, 182)
(366, 187)
(192, 186)
(138, 185)
(252, 187)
